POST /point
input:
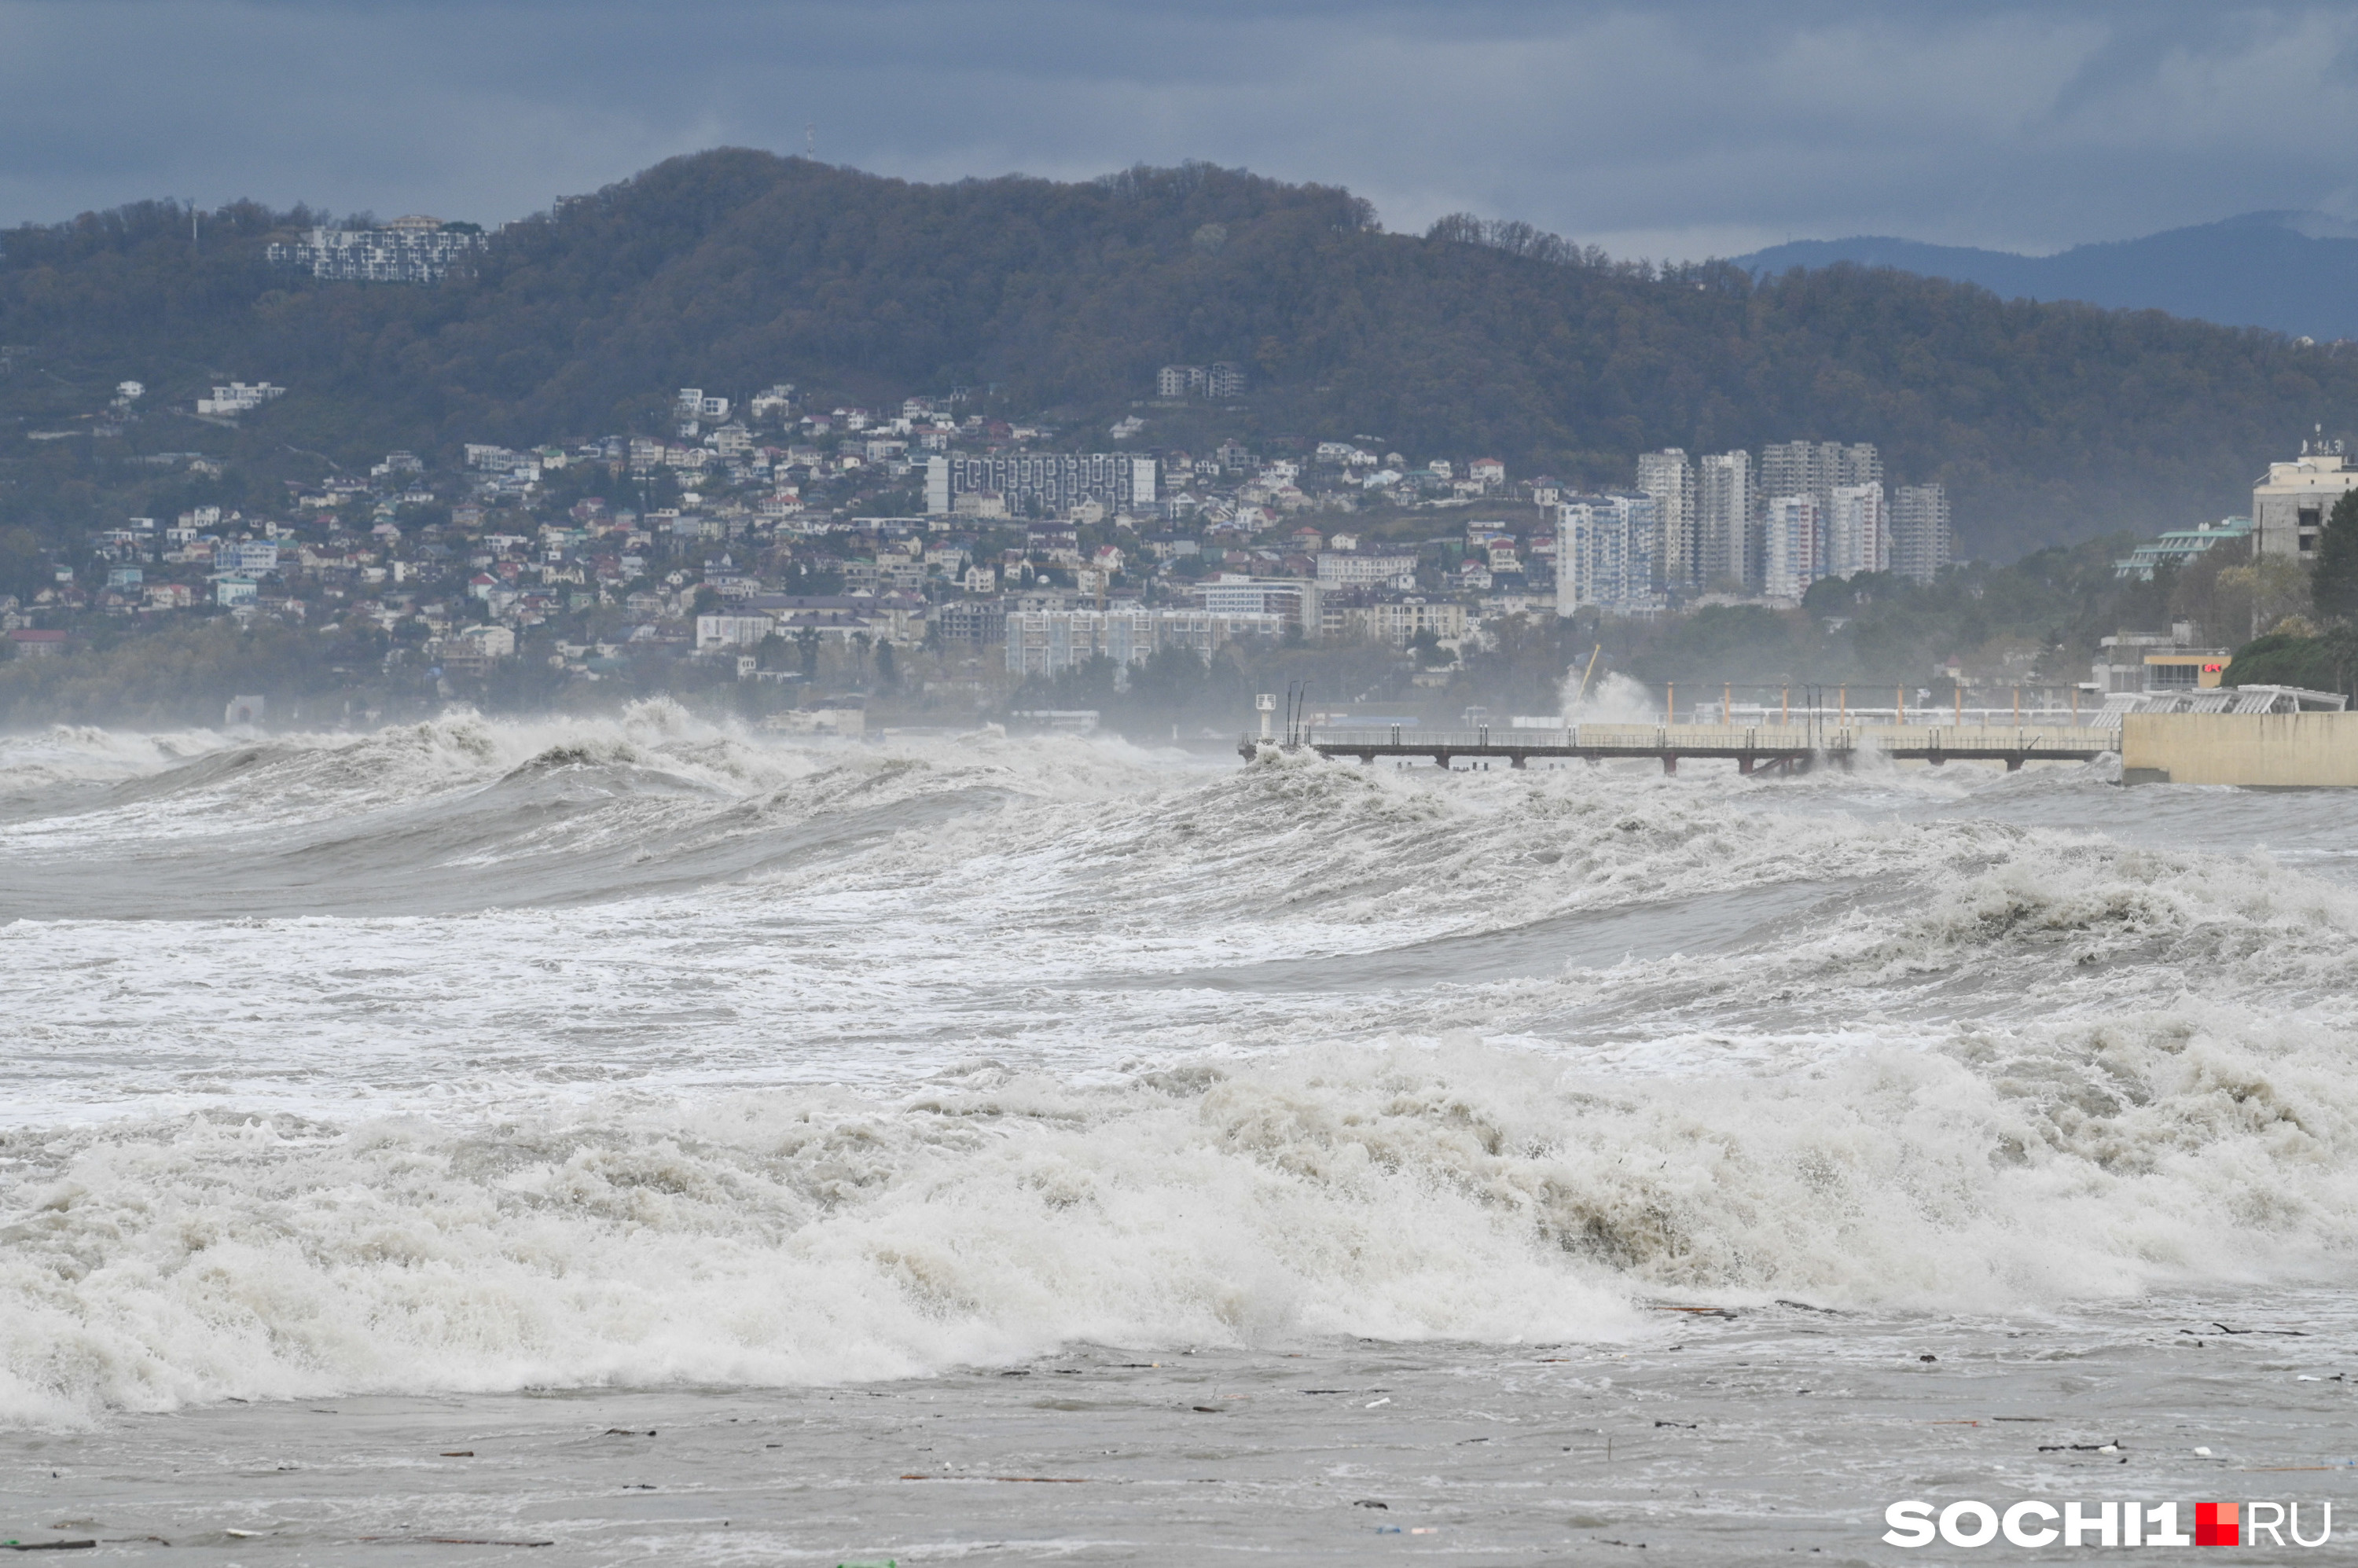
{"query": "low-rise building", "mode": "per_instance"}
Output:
(1366, 568)
(2145, 662)
(238, 398)
(1047, 641)
(408, 250)
(1396, 619)
(2179, 545)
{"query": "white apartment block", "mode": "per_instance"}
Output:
(1817, 468)
(1921, 542)
(1291, 598)
(238, 398)
(408, 250)
(1344, 568)
(1049, 641)
(1802, 467)
(1051, 483)
(1396, 622)
(1789, 546)
(1604, 548)
(1727, 497)
(1858, 534)
(731, 630)
(1669, 479)
(1223, 379)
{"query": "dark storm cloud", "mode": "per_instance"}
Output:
(1661, 129)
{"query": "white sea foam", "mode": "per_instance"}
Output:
(1609, 699)
(1403, 1193)
(474, 1055)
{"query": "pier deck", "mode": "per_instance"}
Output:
(1754, 747)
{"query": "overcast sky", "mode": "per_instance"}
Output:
(1661, 130)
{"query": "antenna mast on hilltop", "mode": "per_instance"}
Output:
(810, 141)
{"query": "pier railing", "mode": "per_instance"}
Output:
(1718, 737)
(1784, 746)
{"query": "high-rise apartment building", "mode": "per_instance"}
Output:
(1858, 534)
(1785, 469)
(1669, 479)
(1818, 470)
(1789, 546)
(1728, 508)
(1920, 541)
(1605, 554)
(1858, 463)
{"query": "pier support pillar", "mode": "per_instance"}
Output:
(1669, 762)
(1516, 759)
(2014, 764)
(1743, 763)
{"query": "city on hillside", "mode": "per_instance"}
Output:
(774, 539)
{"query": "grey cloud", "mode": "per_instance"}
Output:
(1662, 129)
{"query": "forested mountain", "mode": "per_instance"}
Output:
(732, 269)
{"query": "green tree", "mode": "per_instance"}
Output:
(2333, 587)
(23, 570)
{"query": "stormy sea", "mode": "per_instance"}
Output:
(664, 1142)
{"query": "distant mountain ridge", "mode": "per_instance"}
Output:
(2294, 273)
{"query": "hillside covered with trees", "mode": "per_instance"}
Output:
(732, 269)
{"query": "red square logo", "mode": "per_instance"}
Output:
(2218, 1524)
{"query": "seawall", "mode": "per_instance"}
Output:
(2264, 751)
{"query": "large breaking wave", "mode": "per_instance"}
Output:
(649, 1052)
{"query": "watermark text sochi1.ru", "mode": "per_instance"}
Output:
(1968, 1523)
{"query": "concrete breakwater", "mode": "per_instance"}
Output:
(2260, 751)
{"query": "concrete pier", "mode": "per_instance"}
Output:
(1753, 748)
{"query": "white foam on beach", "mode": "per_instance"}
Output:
(827, 1063)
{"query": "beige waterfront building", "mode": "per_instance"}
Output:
(2290, 505)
